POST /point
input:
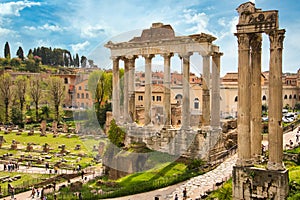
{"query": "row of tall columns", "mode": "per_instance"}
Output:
(129, 90)
(249, 102)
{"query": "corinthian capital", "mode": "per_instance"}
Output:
(276, 39)
(243, 41)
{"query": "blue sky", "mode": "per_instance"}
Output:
(83, 27)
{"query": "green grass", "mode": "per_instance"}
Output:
(38, 142)
(293, 151)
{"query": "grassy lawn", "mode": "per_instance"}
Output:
(84, 156)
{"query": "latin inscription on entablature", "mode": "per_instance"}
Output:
(258, 22)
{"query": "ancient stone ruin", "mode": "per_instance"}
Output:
(250, 182)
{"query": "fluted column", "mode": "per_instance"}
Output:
(148, 92)
(116, 89)
(215, 104)
(275, 104)
(126, 88)
(167, 89)
(206, 92)
(131, 89)
(185, 57)
(244, 93)
(255, 98)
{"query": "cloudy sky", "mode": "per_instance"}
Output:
(83, 27)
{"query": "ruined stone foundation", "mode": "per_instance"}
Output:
(259, 184)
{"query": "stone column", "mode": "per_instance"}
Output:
(275, 104)
(148, 83)
(244, 94)
(116, 89)
(125, 93)
(185, 57)
(205, 92)
(131, 89)
(215, 104)
(255, 98)
(167, 89)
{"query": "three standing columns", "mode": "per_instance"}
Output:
(249, 99)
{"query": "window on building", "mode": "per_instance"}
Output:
(66, 81)
(79, 88)
(264, 98)
(285, 96)
(85, 87)
(140, 98)
(290, 97)
(178, 98)
(236, 99)
(295, 96)
(82, 95)
(158, 98)
(153, 98)
(196, 103)
(87, 95)
(78, 96)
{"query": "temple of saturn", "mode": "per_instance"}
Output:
(160, 39)
(250, 182)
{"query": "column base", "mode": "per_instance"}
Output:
(244, 162)
(275, 166)
(255, 183)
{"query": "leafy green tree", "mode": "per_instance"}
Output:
(224, 193)
(56, 94)
(7, 51)
(20, 53)
(16, 62)
(297, 106)
(35, 92)
(20, 92)
(116, 135)
(6, 93)
(83, 61)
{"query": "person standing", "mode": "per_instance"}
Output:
(176, 197)
(184, 193)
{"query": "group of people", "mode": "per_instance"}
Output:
(12, 166)
(184, 195)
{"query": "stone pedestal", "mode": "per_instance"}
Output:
(255, 183)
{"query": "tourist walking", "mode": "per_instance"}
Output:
(184, 194)
(176, 197)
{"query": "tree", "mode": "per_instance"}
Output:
(56, 93)
(7, 51)
(6, 92)
(35, 92)
(83, 61)
(76, 60)
(29, 53)
(20, 53)
(116, 135)
(20, 91)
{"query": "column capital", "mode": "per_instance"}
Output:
(148, 56)
(255, 41)
(243, 41)
(276, 39)
(217, 54)
(185, 55)
(130, 57)
(115, 58)
(167, 55)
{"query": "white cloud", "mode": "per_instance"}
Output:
(4, 31)
(14, 8)
(199, 21)
(92, 31)
(45, 27)
(79, 46)
(253, 1)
